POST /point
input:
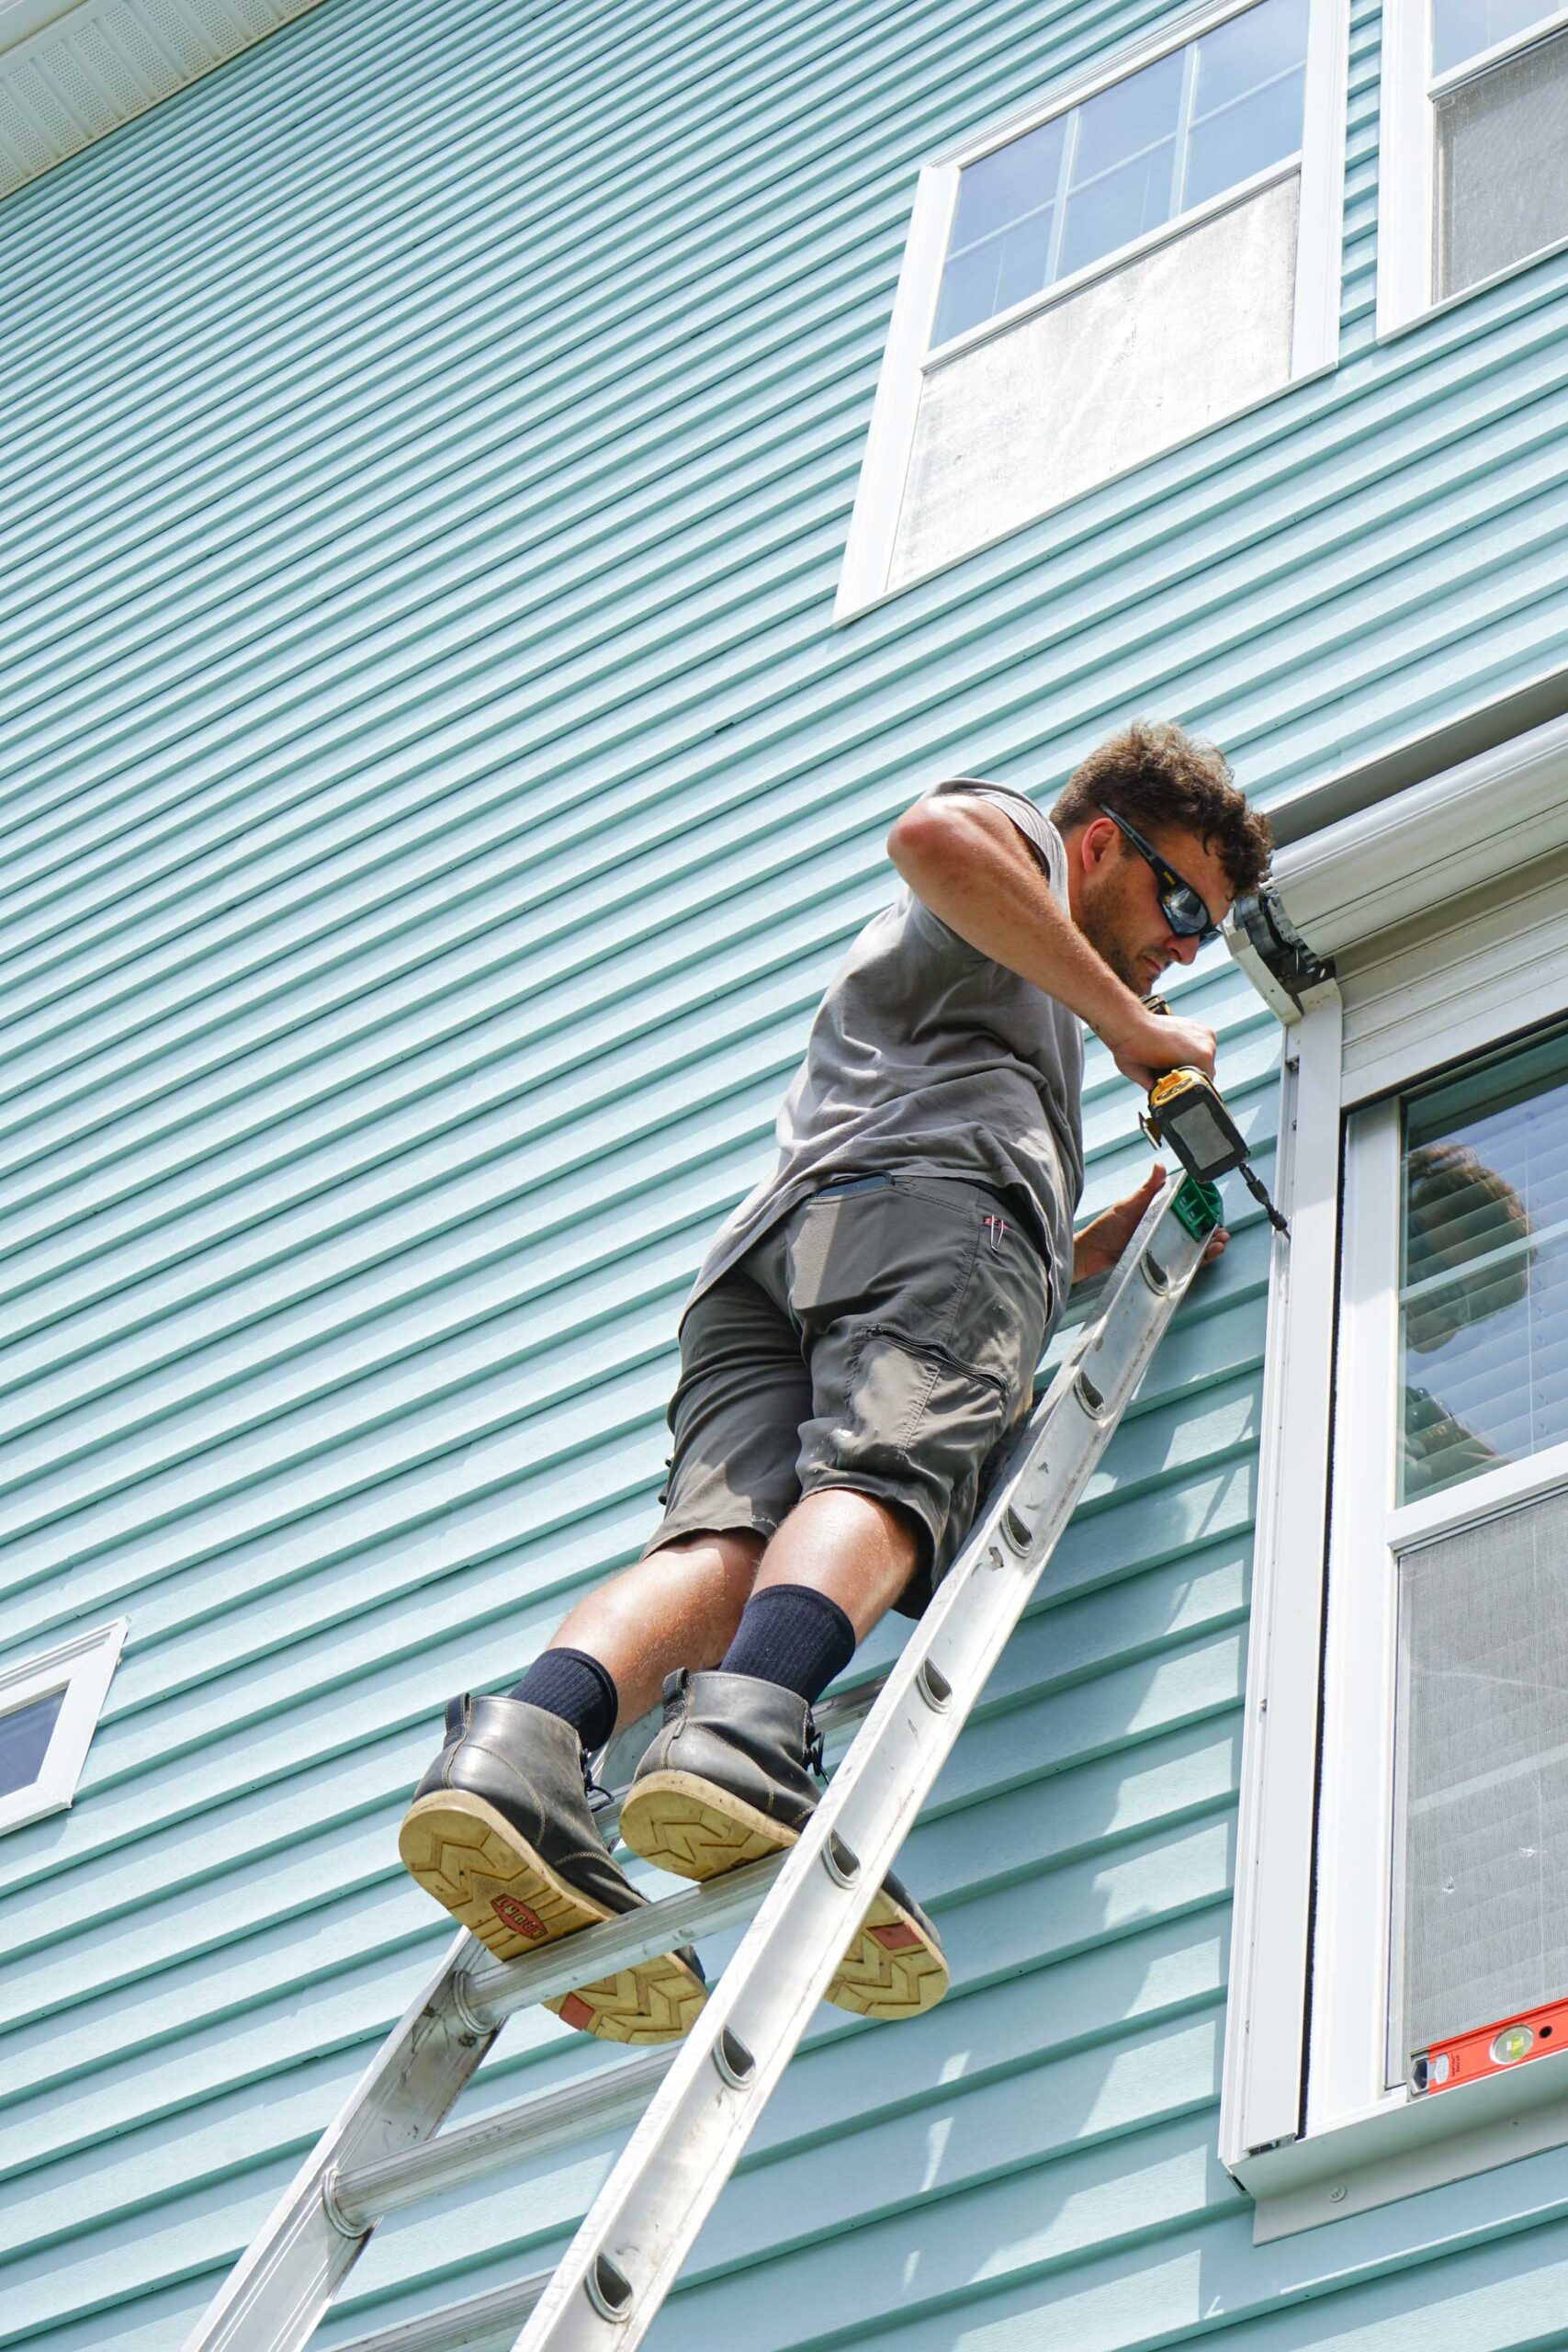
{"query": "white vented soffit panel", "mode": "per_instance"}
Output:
(71, 74)
(1408, 854)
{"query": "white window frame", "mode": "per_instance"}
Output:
(909, 355)
(1406, 175)
(82, 1668)
(1306, 2123)
(1350, 1977)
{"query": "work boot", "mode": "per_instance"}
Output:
(501, 1833)
(728, 1780)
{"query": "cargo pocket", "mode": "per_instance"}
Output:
(1003, 1318)
(903, 1384)
(921, 1421)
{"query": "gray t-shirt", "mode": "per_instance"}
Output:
(925, 1054)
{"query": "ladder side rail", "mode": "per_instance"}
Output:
(278, 2290)
(385, 2133)
(274, 2298)
(626, 2255)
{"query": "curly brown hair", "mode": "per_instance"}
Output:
(1156, 775)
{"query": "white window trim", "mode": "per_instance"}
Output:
(1406, 145)
(909, 355)
(82, 1668)
(1312, 2144)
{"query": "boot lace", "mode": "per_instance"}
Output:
(814, 1748)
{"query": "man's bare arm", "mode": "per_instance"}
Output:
(966, 860)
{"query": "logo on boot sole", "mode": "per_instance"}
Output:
(515, 1914)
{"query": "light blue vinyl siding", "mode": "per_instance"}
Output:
(434, 799)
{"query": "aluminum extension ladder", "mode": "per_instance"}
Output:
(699, 2099)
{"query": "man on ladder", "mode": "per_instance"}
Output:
(863, 1334)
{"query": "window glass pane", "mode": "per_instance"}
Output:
(1113, 209)
(1128, 119)
(1502, 165)
(1123, 160)
(1246, 138)
(1463, 28)
(24, 1738)
(1246, 110)
(1002, 188)
(993, 276)
(1483, 1295)
(1246, 53)
(1000, 246)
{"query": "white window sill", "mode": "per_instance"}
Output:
(1407, 2146)
(1390, 327)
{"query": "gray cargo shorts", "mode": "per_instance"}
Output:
(883, 1336)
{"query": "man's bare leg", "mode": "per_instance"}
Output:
(729, 1776)
(500, 1832)
(860, 1551)
(682, 1605)
(678, 1607)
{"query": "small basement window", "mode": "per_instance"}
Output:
(1150, 252)
(49, 1704)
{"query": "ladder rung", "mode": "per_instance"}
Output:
(498, 1988)
(366, 2194)
(483, 2323)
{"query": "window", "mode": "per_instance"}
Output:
(1116, 271)
(1474, 173)
(1402, 1874)
(1466, 1181)
(49, 1704)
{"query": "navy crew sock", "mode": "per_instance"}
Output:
(794, 1637)
(574, 1686)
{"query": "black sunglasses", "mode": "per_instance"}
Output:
(1183, 907)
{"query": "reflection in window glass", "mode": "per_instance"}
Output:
(24, 1740)
(1122, 155)
(1130, 158)
(1484, 1286)
(1246, 100)
(1463, 28)
(999, 252)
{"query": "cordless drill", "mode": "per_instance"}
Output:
(1187, 1111)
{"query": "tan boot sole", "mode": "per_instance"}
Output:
(892, 1969)
(478, 1867)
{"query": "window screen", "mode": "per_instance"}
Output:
(1484, 1286)
(1481, 1792)
(1502, 165)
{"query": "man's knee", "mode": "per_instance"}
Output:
(736, 1547)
